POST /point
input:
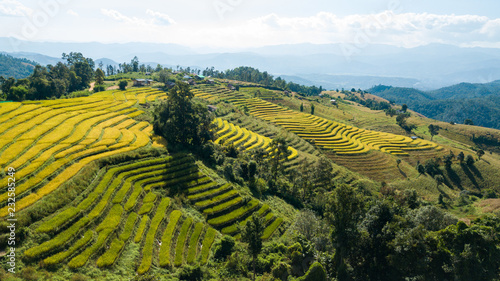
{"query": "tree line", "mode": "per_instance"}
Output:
(52, 81)
(250, 74)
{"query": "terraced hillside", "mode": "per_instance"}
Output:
(370, 153)
(48, 142)
(331, 135)
(229, 133)
(125, 206)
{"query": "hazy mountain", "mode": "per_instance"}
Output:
(425, 67)
(91, 49)
(38, 58)
(347, 82)
(478, 102)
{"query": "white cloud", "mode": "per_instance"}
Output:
(14, 8)
(405, 29)
(156, 19)
(72, 13)
(159, 18)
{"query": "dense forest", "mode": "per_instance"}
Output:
(15, 67)
(477, 102)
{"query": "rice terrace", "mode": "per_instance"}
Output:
(234, 140)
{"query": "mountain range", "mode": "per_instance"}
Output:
(329, 65)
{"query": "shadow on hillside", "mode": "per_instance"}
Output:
(468, 173)
(476, 172)
(402, 173)
(445, 195)
(455, 179)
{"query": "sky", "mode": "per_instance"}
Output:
(245, 23)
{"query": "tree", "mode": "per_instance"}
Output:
(83, 68)
(439, 179)
(404, 107)
(17, 93)
(398, 161)
(469, 160)
(181, 121)
(312, 109)
(468, 122)
(401, 121)
(224, 248)
(461, 157)
(448, 161)
(302, 107)
(390, 111)
(421, 169)
(345, 211)
(433, 130)
(99, 77)
(122, 84)
(135, 64)
(431, 167)
(164, 76)
(251, 233)
(480, 153)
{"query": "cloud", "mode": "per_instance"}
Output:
(72, 13)
(159, 18)
(156, 19)
(14, 8)
(407, 29)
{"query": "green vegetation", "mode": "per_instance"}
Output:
(465, 101)
(278, 194)
(180, 121)
(17, 68)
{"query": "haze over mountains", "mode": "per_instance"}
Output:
(333, 66)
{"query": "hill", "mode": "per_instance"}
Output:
(475, 101)
(15, 67)
(110, 198)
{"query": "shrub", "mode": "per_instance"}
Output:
(29, 273)
(191, 273)
(224, 247)
(99, 88)
(122, 84)
(315, 273)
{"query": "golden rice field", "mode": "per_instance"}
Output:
(48, 142)
(337, 137)
(228, 133)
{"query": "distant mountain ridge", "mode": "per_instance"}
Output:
(425, 67)
(479, 102)
(15, 67)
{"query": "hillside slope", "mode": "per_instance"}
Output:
(478, 102)
(15, 67)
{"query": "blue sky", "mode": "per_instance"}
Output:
(245, 23)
